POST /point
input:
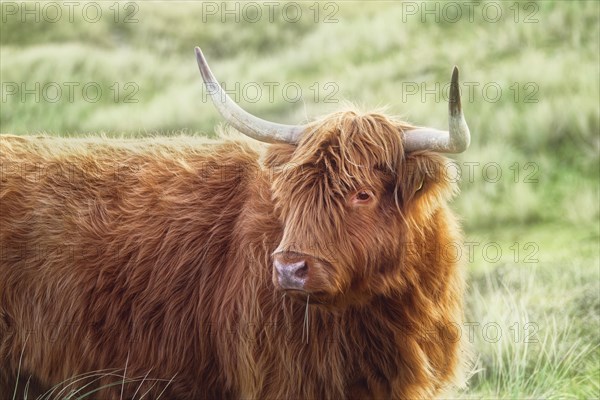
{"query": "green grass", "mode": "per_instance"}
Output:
(548, 131)
(85, 386)
(544, 303)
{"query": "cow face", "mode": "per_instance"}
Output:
(348, 198)
(349, 191)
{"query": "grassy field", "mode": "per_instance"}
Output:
(531, 79)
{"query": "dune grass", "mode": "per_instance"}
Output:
(541, 133)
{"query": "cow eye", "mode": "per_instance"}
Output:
(362, 197)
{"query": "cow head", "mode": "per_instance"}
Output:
(350, 190)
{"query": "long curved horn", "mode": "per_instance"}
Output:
(243, 121)
(456, 140)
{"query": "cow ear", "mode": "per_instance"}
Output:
(278, 155)
(424, 174)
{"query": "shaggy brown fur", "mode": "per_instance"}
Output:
(153, 258)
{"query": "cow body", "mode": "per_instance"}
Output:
(151, 261)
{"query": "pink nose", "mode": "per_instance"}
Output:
(291, 274)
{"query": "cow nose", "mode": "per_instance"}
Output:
(291, 275)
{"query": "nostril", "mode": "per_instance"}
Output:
(292, 270)
(301, 270)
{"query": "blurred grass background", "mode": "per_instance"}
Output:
(542, 132)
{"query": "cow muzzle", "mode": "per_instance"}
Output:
(292, 270)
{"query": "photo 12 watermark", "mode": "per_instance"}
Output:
(469, 11)
(517, 332)
(270, 11)
(273, 92)
(69, 92)
(470, 92)
(69, 11)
